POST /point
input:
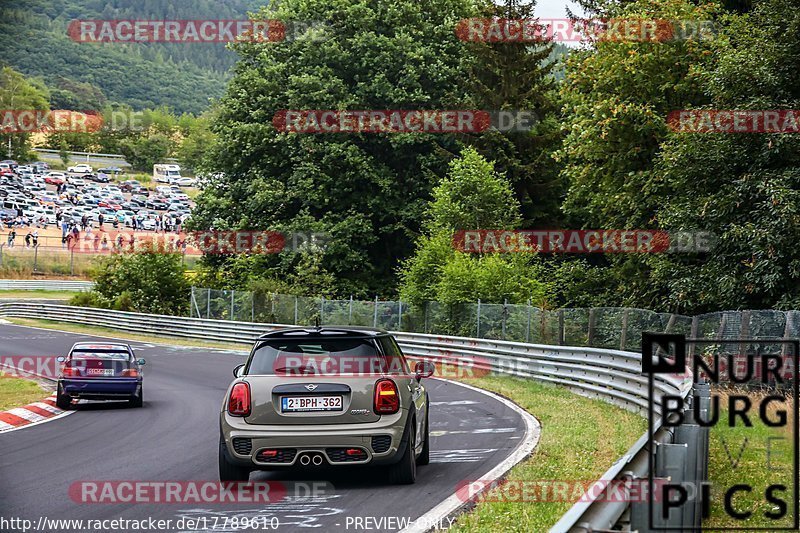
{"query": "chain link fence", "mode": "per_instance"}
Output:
(601, 327)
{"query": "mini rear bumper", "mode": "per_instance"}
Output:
(379, 441)
(101, 388)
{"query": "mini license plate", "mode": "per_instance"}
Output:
(310, 403)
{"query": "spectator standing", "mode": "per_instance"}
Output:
(11, 236)
(28, 239)
(35, 238)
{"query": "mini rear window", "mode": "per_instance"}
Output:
(321, 357)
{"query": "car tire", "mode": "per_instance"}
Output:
(229, 471)
(404, 472)
(425, 455)
(62, 400)
(137, 400)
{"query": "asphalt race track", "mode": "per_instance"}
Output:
(175, 437)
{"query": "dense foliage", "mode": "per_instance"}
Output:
(145, 281)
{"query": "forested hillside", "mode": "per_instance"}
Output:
(34, 40)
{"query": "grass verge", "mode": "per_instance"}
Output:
(25, 295)
(758, 456)
(16, 392)
(118, 334)
(581, 438)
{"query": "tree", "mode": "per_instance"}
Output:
(617, 97)
(518, 76)
(472, 196)
(367, 191)
(18, 93)
(744, 188)
(147, 150)
(150, 280)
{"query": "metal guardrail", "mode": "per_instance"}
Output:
(45, 285)
(610, 375)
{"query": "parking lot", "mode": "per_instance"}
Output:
(86, 199)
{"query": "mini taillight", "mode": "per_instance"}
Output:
(130, 373)
(239, 402)
(387, 400)
(269, 453)
(354, 451)
(70, 371)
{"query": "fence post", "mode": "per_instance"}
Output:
(295, 310)
(208, 305)
(35, 258)
(561, 327)
(232, 291)
(350, 312)
(252, 307)
(71, 263)
(1, 254)
(375, 314)
(426, 308)
(272, 306)
(623, 337)
(399, 315)
(193, 301)
(592, 324)
(321, 309)
(503, 325)
(693, 334)
(478, 320)
(528, 325)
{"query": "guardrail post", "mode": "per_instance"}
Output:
(670, 462)
(702, 407)
(690, 435)
(640, 510)
(478, 320)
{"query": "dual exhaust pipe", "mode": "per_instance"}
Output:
(311, 458)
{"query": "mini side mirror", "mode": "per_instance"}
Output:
(141, 362)
(238, 371)
(424, 369)
(61, 359)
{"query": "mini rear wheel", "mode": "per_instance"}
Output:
(229, 471)
(425, 455)
(404, 472)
